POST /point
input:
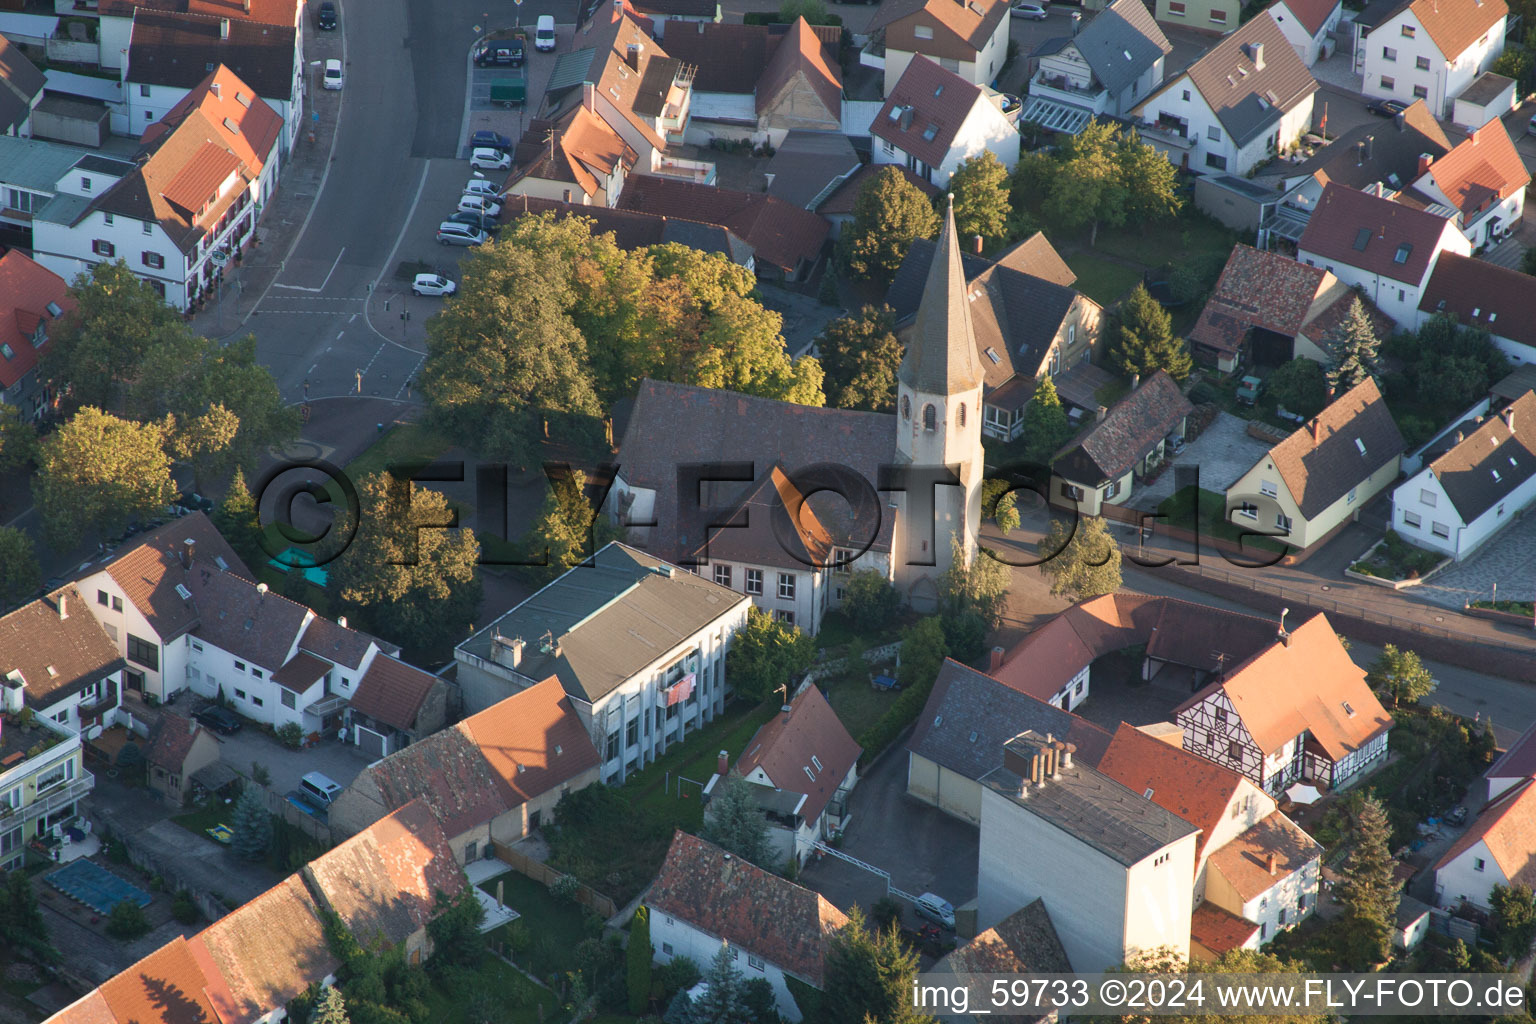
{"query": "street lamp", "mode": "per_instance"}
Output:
(317, 65)
(518, 22)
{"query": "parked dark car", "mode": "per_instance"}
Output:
(194, 502)
(490, 140)
(473, 220)
(325, 16)
(1386, 108)
(505, 54)
(218, 719)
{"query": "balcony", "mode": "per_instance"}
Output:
(59, 795)
(700, 172)
(1064, 88)
(873, 54)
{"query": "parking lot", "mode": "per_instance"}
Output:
(330, 757)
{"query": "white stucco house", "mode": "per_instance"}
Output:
(934, 120)
(775, 929)
(1427, 49)
(1480, 184)
(1308, 24)
(970, 39)
(1107, 68)
(1462, 498)
(1479, 294)
(1496, 849)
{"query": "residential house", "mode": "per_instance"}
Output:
(1220, 16)
(1514, 766)
(677, 12)
(807, 168)
(1300, 709)
(634, 230)
(172, 53)
(933, 120)
(1480, 185)
(1308, 25)
(31, 298)
(786, 240)
(704, 896)
(1110, 66)
(63, 665)
(837, 207)
(638, 644)
(1462, 498)
(1126, 442)
(1270, 308)
(1028, 320)
(801, 89)
(492, 778)
(578, 158)
(969, 39)
(203, 174)
(1387, 249)
(32, 172)
(1321, 476)
(21, 89)
(1268, 875)
(1498, 848)
(1214, 932)
(959, 737)
(803, 765)
(117, 18)
(1245, 102)
(141, 992)
(1488, 98)
(1115, 865)
(395, 705)
(1411, 924)
(1024, 942)
(179, 750)
(1369, 158)
(266, 952)
(42, 776)
(384, 882)
(1427, 49)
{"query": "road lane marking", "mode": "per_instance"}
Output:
(302, 288)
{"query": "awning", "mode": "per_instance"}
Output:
(1302, 793)
(1055, 115)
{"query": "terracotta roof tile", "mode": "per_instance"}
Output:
(1480, 294)
(1308, 685)
(779, 233)
(1493, 461)
(1202, 637)
(1353, 438)
(26, 290)
(532, 741)
(173, 741)
(1109, 448)
(1244, 862)
(90, 1008)
(1024, 942)
(1313, 14)
(802, 54)
(771, 521)
(56, 657)
(250, 126)
(1258, 289)
(1507, 827)
(448, 772)
(1247, 99)
(1371, 152)
(301, 672)
(1322, 329)
(784, 747)
(1483, 169)
(584, 144)
(267, 12)
(166, 987)
(939, 103)
(733, 900)
(1455, 25)
(1220, 930)
(150, 570)
(392, 692)
(1360, 230)
(964, 28)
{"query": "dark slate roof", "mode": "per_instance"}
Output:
(1249, 100)
(678, 9)
(20, 82)
(941, 357)
(1345, 443)
(1492, 462)
(761, 530)
(966, 703)
(1378, 11)
(173, 741)
(1486, 88)
(1379, 151)
(1108, 448)
(1122, 43)
(180, 49)
(806, 163)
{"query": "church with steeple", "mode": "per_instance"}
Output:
(782, 501)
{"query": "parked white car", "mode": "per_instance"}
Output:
(1033, 12)
(333, 77)
(482, 205)
(433, 284)
(490, 160)
(481, 187)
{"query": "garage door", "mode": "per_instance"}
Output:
(371, 742)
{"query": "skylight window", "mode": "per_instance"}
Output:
(1127, 54)
(973, 736)
(992, 355)
(1496, 477)
(895, 114)
(940, 90)
(1361, 238)
(1349, 710)
(54, 310)
(7, 351)
(938, 719)
(931, 132)
(242, 99)
(1148, 794)
(234, 129)
(1402, 253)
(182, 592)
(1360, 445)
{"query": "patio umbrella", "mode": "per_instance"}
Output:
(1302, 793)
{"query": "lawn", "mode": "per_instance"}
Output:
(549, 928)
(519, 1000)
(206, 817)
(695, 758)
(1099, 279)
(407, 442)
(858, 705)
(1191, 235)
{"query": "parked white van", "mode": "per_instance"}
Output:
(319, 788)
(544, 33)
(936, 909)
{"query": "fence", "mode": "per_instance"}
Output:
(142, 857)
(547, 876)
(307, 823)
(835, 666)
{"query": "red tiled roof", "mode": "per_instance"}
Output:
(1455, 25)
(730, 899)
(842, 200)
(173, 741)
(1313, 14)
(939, 100)
(90, 1008)
(1220, 930)
(788, 746)
(1244, 862)
(1483, 169)
(56, 656)
(1047, 659)
(199, 178)
(1479, 294)
(267, 12)
(533, 741)
(1507, 827)
(781, 234)
(1258, 289)
(392, 692)
(166, 987)
(247, 125)
(301, 672)
(1360, 230)
(174, 49)
(150, 570)
(970, 25)
(26, 289)
(801, 53)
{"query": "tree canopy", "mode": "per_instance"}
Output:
(980, 190)
(888, 214)
(860, 355)
(1105, 175)
(734, 822)
(251, 824)
(1143, 340)
(923, 650)
(22, 925)
(98, 472)
(1355, 347)
(1081, 557)
(1400, 676)
(1369, 891)
(1046, 427)
(568, 530)
(1299, 386)
(20, 575)
(766, 654)
(18, 439)
(869, 976)
(980, 586)
(96, 347)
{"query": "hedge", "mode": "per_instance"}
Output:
(902, 713)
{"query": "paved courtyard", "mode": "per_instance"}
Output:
(1223, 453)
(1508, 560)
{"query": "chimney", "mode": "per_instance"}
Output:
(1370, 145)
(213, 87)
(588, 91)
(1285, 638)
(632, 57)
(1256, 54)
(1460, 436)
(63, 607)
(723, 765)
(1315, 428)
(1359, 152)
(1474, 135)
(1424, 161)
(188, 549)
(995, 661)
(977, 242)
(1056, 748)
(1100, 413)
(1036, 767)
(1271, 862)
(1401, 120)
(1067, 751)
(223, 28)
(1135, 381)
(1509, 417)
(906, 119)
(341, 620)
(191, 726)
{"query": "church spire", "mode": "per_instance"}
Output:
(941, 350)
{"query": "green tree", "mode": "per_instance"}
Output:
(923, 650)
(18, 439)
(22, 925)
(1368, 891)
(888, 214)
(1084, 560)
(1000, 504)
(1528, 262)
(1299, 386)
(457, 941)
(1089, 186)
(1517, 64)
(759, 1002)
(965, 634)
(127, 921)
(1354, 345)
(1046, 427)
(1514, 915)
(330, 1007)
(980, 587)
(813, 11)
(870, 601)
(237, 520)
(20, 575)
(980, 190)
(860, 355)
(869, 976)
(99, 472)
(734, 821)
(1170, 963)
(97, 345)
(251, 824)
(721, 1002)
(204, 441)
(1400, 676)
(569, 530)
(742, 349)
(405, 575)
(638, 961)
(1151, 181)
(1143, 339)
(766, 654)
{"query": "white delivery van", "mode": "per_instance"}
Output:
(544, 33)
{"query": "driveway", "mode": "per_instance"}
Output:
(1222, 453)
(924, 849)
(1508, 560)
(330, 757)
